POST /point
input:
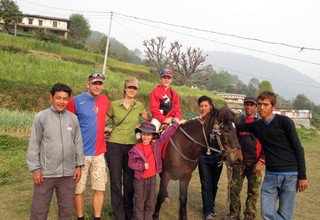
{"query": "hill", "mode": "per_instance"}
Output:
(286, 81)
(29, 67)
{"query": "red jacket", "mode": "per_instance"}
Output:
(157, 96)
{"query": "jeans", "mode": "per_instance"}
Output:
(209, 171)
(282, 187)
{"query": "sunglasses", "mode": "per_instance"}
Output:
(94, 75)
(132, 87)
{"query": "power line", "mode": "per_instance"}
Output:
(261, 77)
(301, 48)
(228, 44)
(223, 34)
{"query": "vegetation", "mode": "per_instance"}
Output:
(9, 13)
(79, 27)
(184, 64)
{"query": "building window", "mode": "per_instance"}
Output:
(40, 22)
(30, 21)
(55, 24)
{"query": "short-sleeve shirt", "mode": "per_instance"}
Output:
(91, 113)
(124, 133)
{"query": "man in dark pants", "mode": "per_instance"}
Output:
(253, 160)
(210, 168)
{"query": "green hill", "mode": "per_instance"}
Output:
(29, 67)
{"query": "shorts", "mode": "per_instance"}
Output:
(96, 167)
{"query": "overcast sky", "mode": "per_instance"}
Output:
(294, 22)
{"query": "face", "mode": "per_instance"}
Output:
(166, 81)
(131, 91)
(146, 137)
(250, 108)
(95, 88)
(265, 109)
(204, 107)
(59, 100)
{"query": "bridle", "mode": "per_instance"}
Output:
(215, 134)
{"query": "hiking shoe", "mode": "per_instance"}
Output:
(210, 216)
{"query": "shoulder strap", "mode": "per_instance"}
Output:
(124, 117)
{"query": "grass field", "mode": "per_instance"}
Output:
(16, 186)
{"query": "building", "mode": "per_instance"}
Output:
(300, 117)
(30, 23)
(234, 101)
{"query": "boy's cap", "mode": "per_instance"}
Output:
(148, 128)
(252, 99)
(96, 77)
(166, 72)
(131, 81)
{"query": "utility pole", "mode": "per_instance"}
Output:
(107, 47)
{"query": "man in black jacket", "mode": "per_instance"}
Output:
(284, 155)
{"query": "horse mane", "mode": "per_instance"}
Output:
(226, 115)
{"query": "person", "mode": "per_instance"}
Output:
(284, 157)
(91, 108)
(55, 155)
(145, 160)
(210, 167)
(164, 101)
(253, 160)
(125, 114)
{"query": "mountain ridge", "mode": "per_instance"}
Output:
(285, 80)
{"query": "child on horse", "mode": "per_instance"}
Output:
(164, 101)
(145, 160)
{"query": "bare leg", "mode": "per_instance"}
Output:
(98, 197)
(79, 203)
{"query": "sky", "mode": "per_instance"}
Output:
(292, 22)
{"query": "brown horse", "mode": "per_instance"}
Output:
(186, 146)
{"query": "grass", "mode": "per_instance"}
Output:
(16, 187)
(15, 121)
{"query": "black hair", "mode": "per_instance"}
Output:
(60, 87)
(205, 98)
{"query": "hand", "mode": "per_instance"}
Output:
(180, 122)
(37, 178)
(77, 174)
(258, 167)
(302, 185)
(167, 120)
(146, 166)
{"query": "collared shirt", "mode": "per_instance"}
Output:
(124, 133)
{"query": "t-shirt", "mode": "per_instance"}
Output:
(124, 133)
(91, 113)
(147, 151)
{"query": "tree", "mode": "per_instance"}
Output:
(302, 102)
(184, 64)
(265, 85)
(79, 27)
(9, 13)
(253, 86)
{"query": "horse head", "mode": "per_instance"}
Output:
(224, 134)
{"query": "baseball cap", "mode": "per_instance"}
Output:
(132, 81)
(166, 72)
(252, 99)
(96, 77)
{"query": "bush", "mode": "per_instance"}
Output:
(13, 49)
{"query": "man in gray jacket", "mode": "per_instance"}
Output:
(55, 156)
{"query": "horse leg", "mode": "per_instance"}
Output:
(162, 193)
(184, 183)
